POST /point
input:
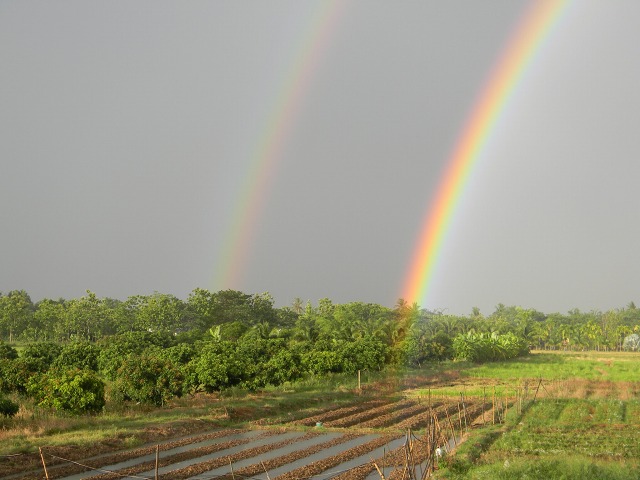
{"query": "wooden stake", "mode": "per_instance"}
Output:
(464, 412)
(379, 472)
(537, 388)
(384, 461)
(157, 458)
(506, 404)
(265, 471)
(453, 430)
(44, 465)
(493, 403)
(484, 402)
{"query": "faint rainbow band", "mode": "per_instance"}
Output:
(526, 41)
(252, 196)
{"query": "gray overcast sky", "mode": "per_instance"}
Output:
(126, 131)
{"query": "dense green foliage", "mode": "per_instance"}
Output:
(74, 391)
(148, 379)
(151, 348)
(484, 347)
(8, 408)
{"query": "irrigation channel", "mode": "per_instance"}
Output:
(378, 439)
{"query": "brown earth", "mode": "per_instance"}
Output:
(388, 416)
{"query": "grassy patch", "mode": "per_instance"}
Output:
(613, 366)
(583, 425)
(567, 468)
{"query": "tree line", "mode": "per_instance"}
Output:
(77, 354)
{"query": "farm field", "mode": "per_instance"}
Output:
(584, 421)
(552, 414)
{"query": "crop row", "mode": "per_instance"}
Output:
(289, 452)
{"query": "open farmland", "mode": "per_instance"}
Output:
(580, 416)
(584, 422)
(341, 443)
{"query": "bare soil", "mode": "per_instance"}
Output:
(383, 415)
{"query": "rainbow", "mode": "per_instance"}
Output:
(267, 151)
(522, 47)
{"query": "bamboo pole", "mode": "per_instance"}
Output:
(265, 471)
(157, 458)
(506, 404)
(484, 402)
(537, 388)
(44, 465)
(493, 404)
(464, 412)
(378, 469)
(453, 430)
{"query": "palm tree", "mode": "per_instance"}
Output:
(297, 306)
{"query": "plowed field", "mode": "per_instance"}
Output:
(335, 443)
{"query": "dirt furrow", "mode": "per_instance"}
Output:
(394, 417)
(417, 421)
(393, 458)
(274, 463)
(361, 417)
(202, 467)
(65, 468)
(325, 464)
(178, 457)
(338, 413)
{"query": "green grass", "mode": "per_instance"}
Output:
(125, 424)
(595, 433)
(566, 468)
(477, 393)
(584, 423)
(613, 366)
(553, 439)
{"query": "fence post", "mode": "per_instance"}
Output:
(44, 465)
(157, 459)
(493, 410)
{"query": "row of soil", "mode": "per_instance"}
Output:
(325, 464)
(256, 452)
(360, 417)
(26, 465)
(333, 414)
(59, 466)
(397, 457)
(405, 415)
(413, 415)
(179, 457)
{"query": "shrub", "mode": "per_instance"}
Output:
(217, 366)
(362, 355)
(320, 362)
(148, 379)
(180, 354)
(45, 351)
(75, 391)
(82, 355)
(483, 347)
(7, 351)
(8, 408)
(15, 374)
(116, 349)
(282, 367)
